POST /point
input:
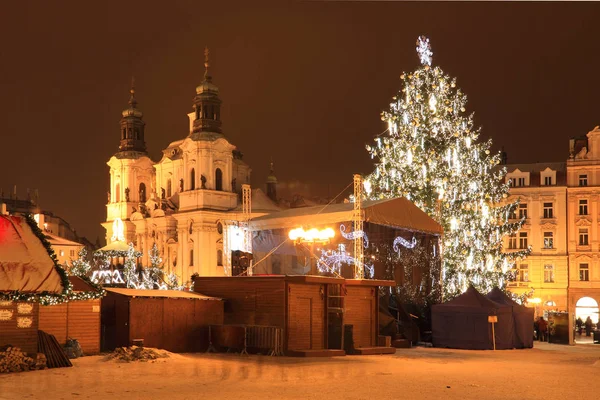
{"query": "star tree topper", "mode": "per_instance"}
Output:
(424, 50)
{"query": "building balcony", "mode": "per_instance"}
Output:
(207, 199)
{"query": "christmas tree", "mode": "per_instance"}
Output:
(430, 155)
(81, 266)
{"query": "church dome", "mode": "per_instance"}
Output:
(132, 112)
(207, 87)
(271, 179)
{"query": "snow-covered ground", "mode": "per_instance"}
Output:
(545, 372)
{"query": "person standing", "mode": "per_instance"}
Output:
(543, 329)
(579, 325)
(588, 326)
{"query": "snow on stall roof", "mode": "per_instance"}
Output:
(58, 241)
(171, 294)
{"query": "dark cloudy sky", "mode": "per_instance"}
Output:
(301, 82)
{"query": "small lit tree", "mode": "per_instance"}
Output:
(81, 265)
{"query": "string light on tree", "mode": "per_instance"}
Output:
(431, 155)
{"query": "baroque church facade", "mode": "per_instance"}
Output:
(189, 203)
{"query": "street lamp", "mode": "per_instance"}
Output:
(311, 236)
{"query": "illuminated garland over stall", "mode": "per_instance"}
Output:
(430, 155)
(46, 298)
(152, 277)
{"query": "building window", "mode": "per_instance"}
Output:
(520, 182)
(548, 240)
(220, 258)
(583, 237)
(522, 240)
(72, 253)
(584, 272)
(142, 193)
(511, 182)
(548, 210)
(583, 207)
(117, 193)
(522, 210)
(169, 188)
(192, 179)
(548, 273)
(218, 179)
(191, 257)
(512, 241)
(62, 253)
(523, 273)
(583, 180)
(513, 213)
(548, 180)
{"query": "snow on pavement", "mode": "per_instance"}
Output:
(545, 372)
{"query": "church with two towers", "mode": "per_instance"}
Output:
(189, 203)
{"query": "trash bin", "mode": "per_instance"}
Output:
(596, 336)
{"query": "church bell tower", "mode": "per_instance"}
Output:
(132, 127)
(207, 104)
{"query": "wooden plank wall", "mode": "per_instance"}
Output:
(177, 325)
(114, 330)
(53, 320)
(253, 301)
(24, 338)
(84, 324)
(360, 312)
(77, 320)
(306, 317)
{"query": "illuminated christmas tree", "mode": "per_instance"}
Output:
(430, 155)
(81, 266)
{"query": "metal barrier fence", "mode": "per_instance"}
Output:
(268, 338)
(265, 337)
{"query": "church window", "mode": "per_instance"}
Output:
(192, 179)
(117, 193)
(168, 188)
(218, 179)
(220, 258)
(123, 134)
(191, 257)
(142, 192)
(198, 112)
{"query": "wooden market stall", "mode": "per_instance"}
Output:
(26, 272)
(298, 315)
(78, 320)
(167, 319)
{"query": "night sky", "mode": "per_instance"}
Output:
(303, 83)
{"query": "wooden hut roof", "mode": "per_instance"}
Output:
(171, 294)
